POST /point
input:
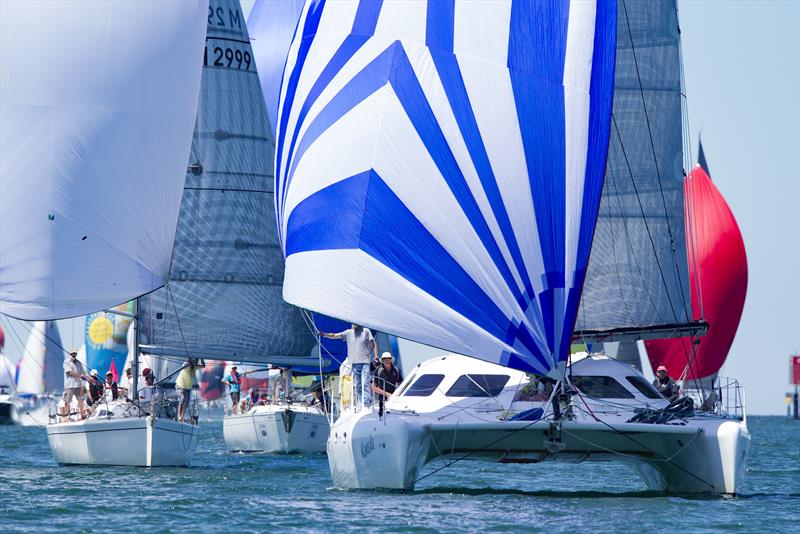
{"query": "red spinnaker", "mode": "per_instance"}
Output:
(720, 262)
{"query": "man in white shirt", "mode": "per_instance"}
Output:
(150, 391)
(74, 372)
(359, 345)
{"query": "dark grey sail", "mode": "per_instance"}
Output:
(223, 300)
(637, 283)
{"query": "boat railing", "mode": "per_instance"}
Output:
(725, 398)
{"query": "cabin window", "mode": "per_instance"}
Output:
(601, 387)
(478, 386)
(644, 387)
(424, 386)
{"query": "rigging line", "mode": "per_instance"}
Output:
(644, 218)
(631, 438)
(501, 438)
(655, 157)
(628, 238)
(178, 321)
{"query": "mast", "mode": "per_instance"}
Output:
(135, 364)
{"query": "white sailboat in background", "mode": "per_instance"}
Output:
(40, 376)
(443, 171)
(95, 136)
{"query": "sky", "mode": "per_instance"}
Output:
(742, 67)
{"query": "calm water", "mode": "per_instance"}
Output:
(250, 493)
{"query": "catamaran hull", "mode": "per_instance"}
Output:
(134, 441)
(705, 456)
(278, 430)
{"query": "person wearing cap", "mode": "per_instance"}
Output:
(185, 383)
(149, 391)
(234, 381)
(360, 343)
(665, 384)
(95, 387)
(385, 380)
(74, 373)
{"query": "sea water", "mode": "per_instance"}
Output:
(228, 493)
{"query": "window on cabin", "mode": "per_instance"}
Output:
(601, 387)
(424, 386)
(478, 386)
(644, 387)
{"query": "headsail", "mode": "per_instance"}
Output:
(637, 285)
(97, 120)
(719, 282)
(439, 167)
(224, 297)
(40, 368)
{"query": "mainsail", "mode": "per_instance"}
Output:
(439, 167)
(637, 284)
(95, 131)
(224, 298)
(40, 368)
(719, 282)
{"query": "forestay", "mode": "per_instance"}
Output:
(638, 283)
(224, 297)
(439, 167)
(98, 101)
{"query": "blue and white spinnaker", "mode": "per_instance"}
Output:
(439, 167)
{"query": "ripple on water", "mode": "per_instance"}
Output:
(224, 492)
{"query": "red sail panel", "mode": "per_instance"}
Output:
(720, 261)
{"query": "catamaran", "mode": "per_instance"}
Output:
(96, 130)
(500, 179)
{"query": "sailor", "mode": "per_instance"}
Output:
(359, 345)
(74, 372)
(319, 396)
(254, 397)
(95, 386)
(185, 383)
(150, 390)
(665, 384)
(234, 382)
(385, 380)
(110, 389)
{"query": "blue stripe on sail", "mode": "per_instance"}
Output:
(364, 24)
(439, 38)
(601, 91)
(309, 32)
(536, 53)
(362, 212)
(393, 66)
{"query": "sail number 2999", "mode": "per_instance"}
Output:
(223, 56)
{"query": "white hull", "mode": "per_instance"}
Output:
(134, 441)
(703, 454)
(276, 428)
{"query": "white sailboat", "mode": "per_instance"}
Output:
(223, 301)
(40, 378)
(9, 402)
(445, 176)
(95, 137)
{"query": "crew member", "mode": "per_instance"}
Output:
(234, 382)
(185, 383)
(665, 384)
(359, 345)
(385, 380)
(74, 372)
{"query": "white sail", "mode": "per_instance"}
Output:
(98, 102)
(40, 366)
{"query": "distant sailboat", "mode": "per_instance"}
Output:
(718, 272)
(443, 171)
(40, 374)
(95, 136)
